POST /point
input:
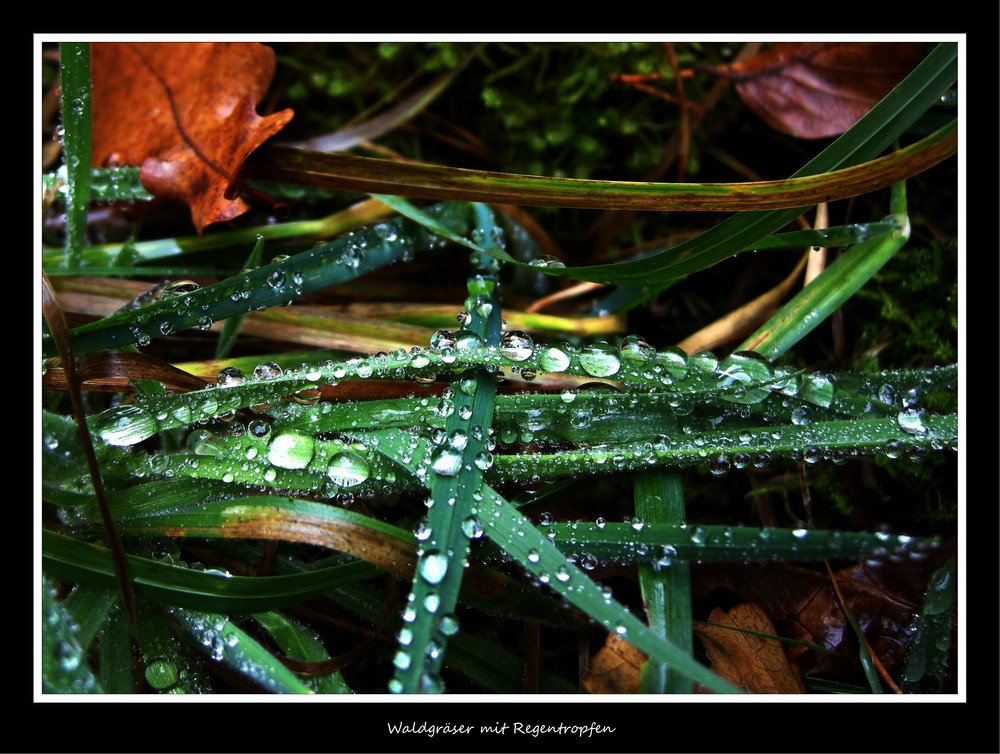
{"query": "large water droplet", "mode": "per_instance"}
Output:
(516, 346)
(553, 360)
(446, 461)
(433, 567)
(229, 377)
(348, 469)
(291, 450)
(267, 371)
(911, 421)
(599, 360)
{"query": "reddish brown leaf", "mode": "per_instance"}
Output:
(820, 89)
(184, 112)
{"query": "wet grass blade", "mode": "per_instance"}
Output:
(927, 657)
(228, 644)
(74, 560)
(665, 582)
(838, 283)
(74, 65)
(274, 284)
(301, 644)
(65, 668)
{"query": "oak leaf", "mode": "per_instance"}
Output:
(747, 660)
(185, 113)
(816, 90)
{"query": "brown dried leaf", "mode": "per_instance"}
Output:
(820, 89)
(184, 112)
(750, 662)
(614, 669)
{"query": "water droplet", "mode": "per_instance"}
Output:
(635, 349)
(516, 346)
(911, 421)
(471, 528)
(291, 450)
(402, 660)
(588, 562)
(448, 625)
(817, 389)
(599, 360)
(547, 261)
(562, 574)
(553, 360)
(533, 556)
(433, 566)
(446, 461)
(276, 279)
(431, 603)
(267, 371)
(229, 377)
(638, 523)
(161, 674)
(348, 469)
(466, 339)
(601, 523)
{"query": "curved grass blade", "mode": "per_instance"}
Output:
(239, 652)
(377, 176)
(78, 561)
(140, 253)
(300, 644)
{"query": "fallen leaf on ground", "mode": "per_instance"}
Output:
(185, 113)
(614, 669)
(753, 663)
(816, 90)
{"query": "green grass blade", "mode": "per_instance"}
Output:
(824, 295)
(65, 669)
(231, 328)
(74, 560)
(454, 478)
(89, 606)
(274, 284)
(229, 645)
(301, 644)
(116, 654)
(665, 584)
(74, 66)
(927, 657)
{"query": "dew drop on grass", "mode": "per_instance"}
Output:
(229, 377)
(516, 346)
(267, 371)
(161, 674)
(599, 360)
(348, 469)
(446, 461)
(433, 567)
(911, 421)
(448, 625)
(553, 360)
